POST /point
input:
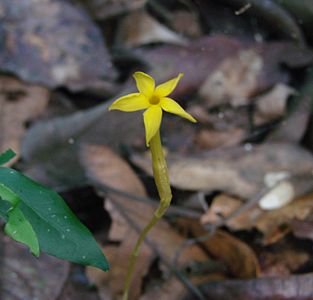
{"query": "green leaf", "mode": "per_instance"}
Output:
(4, 208)
(17, 226)
(20, 230)
(6, 156)
(59, 231)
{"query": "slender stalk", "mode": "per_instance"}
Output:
(161, 179)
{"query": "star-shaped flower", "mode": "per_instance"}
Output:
(154, 100)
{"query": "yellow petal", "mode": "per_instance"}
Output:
(131, 102)
(167, 87)
(152, 118)
(173, 107)
(145, 83)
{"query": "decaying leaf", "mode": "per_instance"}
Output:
(103, 166)
(20, 104)
(140, 28)
(26, 277)
(52, 43)
(239, 171)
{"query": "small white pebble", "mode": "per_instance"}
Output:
(248, 147)
(278, 197)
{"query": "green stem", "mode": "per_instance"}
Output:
(161, 179)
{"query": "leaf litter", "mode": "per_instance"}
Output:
(244, 166)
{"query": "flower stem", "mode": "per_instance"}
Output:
(161, 179)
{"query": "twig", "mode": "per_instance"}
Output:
(172, 210)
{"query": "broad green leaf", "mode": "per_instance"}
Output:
(6, 156)
(8, 195)
(59, 231)
(17, 226)
(4, 208)
(20, 230)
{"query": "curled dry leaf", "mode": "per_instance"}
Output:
(26, 277)
(239, 171)
(140, 28)
(237, 255)
(52, 43)
(105, 167)
(20, 103)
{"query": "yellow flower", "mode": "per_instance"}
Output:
(153, 99)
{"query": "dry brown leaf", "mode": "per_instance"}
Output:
(140, 28)
(303, 229)
(26, 277)
(237, 255)
(234, 81)
(186, 23)
(297, 287)
(222, 206)
(239, 171)
(208, 139)
(53, 43)
(104, 166)
(283, 260)
(270, 222)
(274, 224)
(170, 290)
(202, 57)
(20, 103)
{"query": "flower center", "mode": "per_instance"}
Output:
(154, 100)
